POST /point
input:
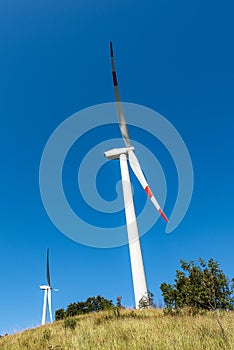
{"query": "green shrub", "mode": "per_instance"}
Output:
(70, 322)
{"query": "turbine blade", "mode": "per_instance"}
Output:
(49, 304)
(121, 117)
(47, 268)
(139, 174)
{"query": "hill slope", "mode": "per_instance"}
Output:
(149, 329)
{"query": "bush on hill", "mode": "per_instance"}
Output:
(92, 304)
(200, 286)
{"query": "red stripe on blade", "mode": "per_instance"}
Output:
(114, 79)
(147, 190)
(163, 215)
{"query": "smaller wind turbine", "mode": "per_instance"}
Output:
(47, 292)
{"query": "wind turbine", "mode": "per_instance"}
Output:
(47, 292)
(124, 154)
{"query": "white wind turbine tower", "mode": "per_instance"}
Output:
(47, 292)
(124, 154)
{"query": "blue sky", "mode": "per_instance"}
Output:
(175, 57)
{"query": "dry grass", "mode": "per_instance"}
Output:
(134, 330)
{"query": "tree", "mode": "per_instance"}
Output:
(119, 301)
(73, 309)
(146, 301)
(92, 304)
(201, 286)
(98, 303)
(59, 314)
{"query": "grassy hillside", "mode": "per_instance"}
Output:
(145, 330)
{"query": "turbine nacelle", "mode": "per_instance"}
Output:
(45, 287)
(115, 153)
